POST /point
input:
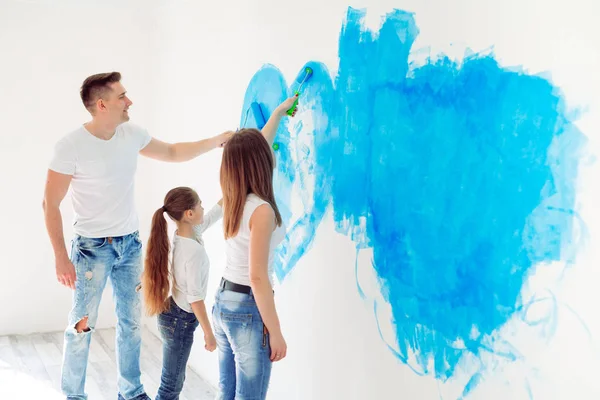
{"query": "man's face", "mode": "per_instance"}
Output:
(117, 103)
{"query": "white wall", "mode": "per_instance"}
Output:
(48, 49)
(210, 52)
(186, 66)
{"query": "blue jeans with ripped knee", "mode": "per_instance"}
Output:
(243, 346)
(96, 260)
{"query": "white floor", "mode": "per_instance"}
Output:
(30, 368)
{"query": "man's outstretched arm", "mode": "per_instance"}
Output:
(184, 151)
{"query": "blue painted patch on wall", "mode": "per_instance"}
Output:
(460, 176)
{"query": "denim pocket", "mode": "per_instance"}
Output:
(84, 243)
(238, 328)
(167, 324)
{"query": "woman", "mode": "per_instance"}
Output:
(245, 321)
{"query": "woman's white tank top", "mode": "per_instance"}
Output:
(237, 248)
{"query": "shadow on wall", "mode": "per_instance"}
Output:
(459, 175)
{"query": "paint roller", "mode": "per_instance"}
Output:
(256, 110)
(301, 78)
(260, 120)
(259, 117)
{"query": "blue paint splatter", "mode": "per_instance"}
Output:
(460, 177)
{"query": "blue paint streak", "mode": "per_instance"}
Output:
(460, 177)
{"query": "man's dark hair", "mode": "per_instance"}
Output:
(96, 86)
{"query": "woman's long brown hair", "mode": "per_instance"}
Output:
(246, 167)
(155, 278)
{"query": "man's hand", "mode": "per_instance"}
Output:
(65, 272)
(221, 139)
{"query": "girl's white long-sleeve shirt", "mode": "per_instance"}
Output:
(190, 264)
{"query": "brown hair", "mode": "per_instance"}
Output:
(96, 86)
(155, 278)
(246, 167)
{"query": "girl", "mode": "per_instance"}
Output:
(178, 315)
(244, 317)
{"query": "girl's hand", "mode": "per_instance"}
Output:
(210, 343)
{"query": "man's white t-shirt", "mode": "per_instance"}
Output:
(190, 264)
(102, 187)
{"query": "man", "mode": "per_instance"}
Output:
(98, 160)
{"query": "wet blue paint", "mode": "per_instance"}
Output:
(303, 158)
(312, 148)
(268, 89)
(460, 172)
(460, 177)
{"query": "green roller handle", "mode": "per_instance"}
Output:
(291, 110)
